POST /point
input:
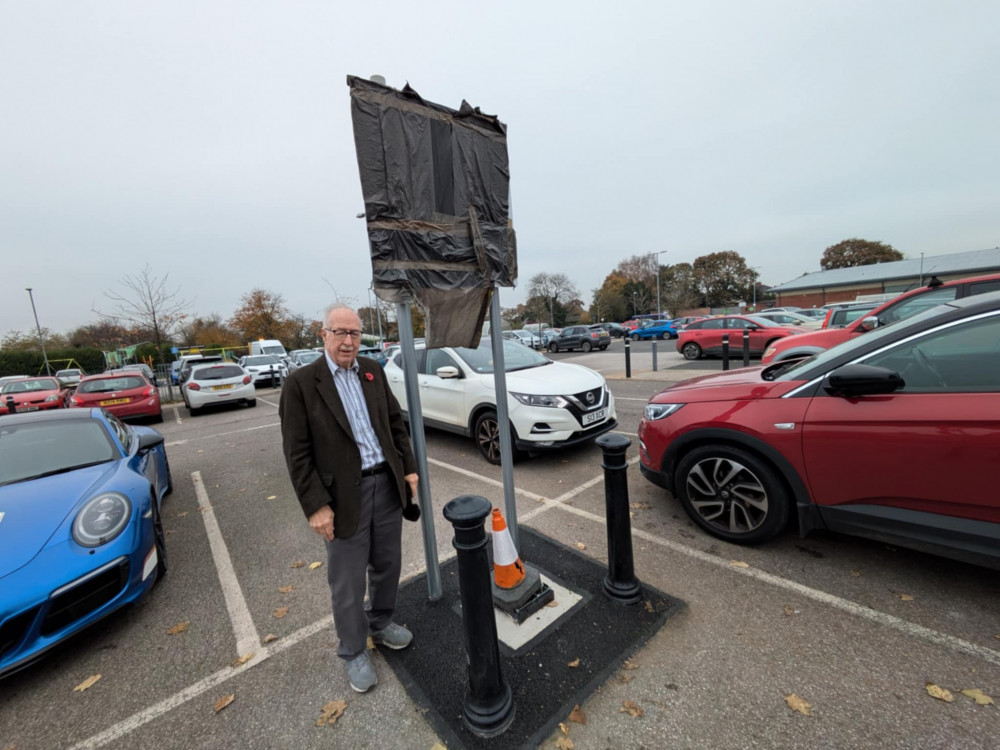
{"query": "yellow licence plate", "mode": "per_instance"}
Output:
(222, 387)
(114, 401)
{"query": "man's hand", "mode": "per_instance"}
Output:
(322, 522)
(411, 479)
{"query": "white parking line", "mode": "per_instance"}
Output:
(247, 639)
(177, 415)
(269, 403)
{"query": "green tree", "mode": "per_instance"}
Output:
(609, 301)
(679, 288)
(724, 277)
(858, 252)
(261, 315)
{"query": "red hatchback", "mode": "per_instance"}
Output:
(34, 394)
(892, 435)
(124, 393)
(704, 337)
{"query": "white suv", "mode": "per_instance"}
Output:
(550, 404)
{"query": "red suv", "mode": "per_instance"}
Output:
(894, 310)
(704, 337)
(892, 435)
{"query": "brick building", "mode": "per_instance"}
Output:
(847, 284)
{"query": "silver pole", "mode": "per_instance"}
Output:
(419, 444)
(41, 340)
(503, 418)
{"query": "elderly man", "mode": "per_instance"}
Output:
(349, 459)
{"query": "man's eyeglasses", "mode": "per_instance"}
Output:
(341, 333)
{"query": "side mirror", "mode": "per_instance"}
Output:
(149, 440)
(447, 372)
(869, 324)
(862, 380)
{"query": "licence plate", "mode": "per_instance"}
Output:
(595, 416)
(27, 408)
(222, 387)
(114, 401)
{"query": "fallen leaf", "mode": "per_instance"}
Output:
(623, 678)
(649, 606)
(178, 628)
(201, 450)
(313, 566)
(438, 746)
(370, 644)
(89, 682)
(936, 691)
(330, 713)
(280, 612)
(540, 500)
(575, 663)
(789, 611)
(905, 597)
(270, 637)
(631, 708)
(856, 573)
(180, 515)
(739, 564)
(564, 743)
(272, 497)
(578, 715)
(796, 703)
(563, 728)
(581, 545)
(241, 660)
(553, 603)
(630, 665)
(298, 564)
(286, 589)
(223, 702)
(978, 696)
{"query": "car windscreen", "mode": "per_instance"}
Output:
(217, 372)
(32, 450)
(261, 360)
(31, 385)
(275, 350)
(107, 385)
(764, 322)
(307, 357)
(516, 357)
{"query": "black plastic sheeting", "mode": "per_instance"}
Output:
(436, 185)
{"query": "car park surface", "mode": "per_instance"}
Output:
(889, 620)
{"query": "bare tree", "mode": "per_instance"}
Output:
(148, 305)
(554, 287)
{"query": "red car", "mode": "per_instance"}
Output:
(33, 394)
(894, 310)
(892, 435)
(123, 393)
(704, 337)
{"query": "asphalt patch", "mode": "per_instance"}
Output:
(598, 632)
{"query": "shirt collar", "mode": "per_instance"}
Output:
(334, 366)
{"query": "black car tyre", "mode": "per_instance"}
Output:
(691, 350)
(157, 418)
(553, 347)
(170, 477)
(251, 403)
(160, 539)
(487, 437)
(604, 347)
(192, 411)
(732, 494)
(635, 336)
(586, 346)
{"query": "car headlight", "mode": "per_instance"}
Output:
(53, 397)
(101, 519)
(659, 411)
(529, 399)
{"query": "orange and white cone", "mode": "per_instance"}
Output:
(508, 570)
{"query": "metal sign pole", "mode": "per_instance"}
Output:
(419, 444)
(503, 419)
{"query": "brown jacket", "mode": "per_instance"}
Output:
(324, 462)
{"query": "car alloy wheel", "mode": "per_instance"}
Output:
(663, 336)
(553, 347)
(586, 346)
(487, 436)
(635, 336)
(691, 350)
(732, 494)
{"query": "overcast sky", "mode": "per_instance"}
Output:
(212, 140)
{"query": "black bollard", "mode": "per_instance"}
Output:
(273, 383)
(746, 347)
(725, 351)
(628, 357)
(488, 707)
(620, 585)
(11, 406)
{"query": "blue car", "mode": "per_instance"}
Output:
(659, 329)
(80, 527)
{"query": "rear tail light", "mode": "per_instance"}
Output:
(148, 392)
(193, 387)
(246, 380)
(75, 401)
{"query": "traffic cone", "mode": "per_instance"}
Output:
(508, 570)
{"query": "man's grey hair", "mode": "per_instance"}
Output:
(337, 306)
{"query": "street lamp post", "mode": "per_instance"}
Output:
(41, 341)
(656, 257)
(754, 269)
(634, 309)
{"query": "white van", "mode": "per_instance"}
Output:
(269, 346)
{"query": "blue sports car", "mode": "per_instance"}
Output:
(659, 329)
(80, 527)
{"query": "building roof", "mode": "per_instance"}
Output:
(940, 265)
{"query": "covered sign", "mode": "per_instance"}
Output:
(436, 185)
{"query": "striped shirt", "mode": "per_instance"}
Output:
(348, 384)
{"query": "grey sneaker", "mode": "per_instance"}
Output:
(393, 636)
(361, 673)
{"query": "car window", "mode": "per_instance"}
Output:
(916, 304)
(30, 450)
(106, 385)
(439, 358)
(964, 357)
(122, 432)
(217, 372)
(982, 287)
(712, 324)
(516, 357)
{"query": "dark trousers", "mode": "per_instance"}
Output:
(373, 552)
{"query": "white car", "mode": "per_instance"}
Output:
(265, 367)
(528, 338)
(550, 404)
(218, 383)
(783, 318)
(303, 358)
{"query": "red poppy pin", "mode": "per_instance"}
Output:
(369, 377)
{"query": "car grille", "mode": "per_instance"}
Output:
(12, 632)
(579, 403)
(82, 599)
